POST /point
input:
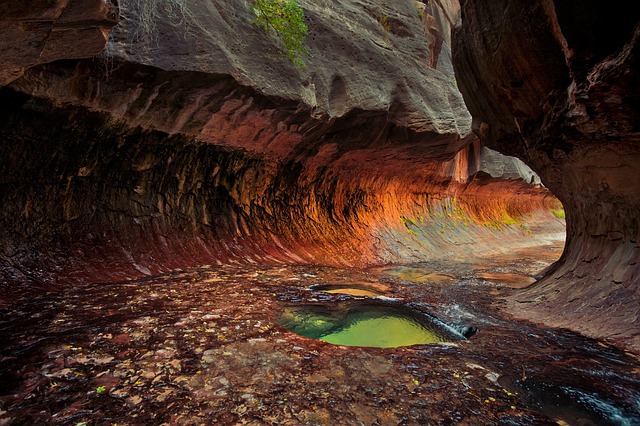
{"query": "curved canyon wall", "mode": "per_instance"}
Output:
(101, 200)
(193, 140)
(556, 84)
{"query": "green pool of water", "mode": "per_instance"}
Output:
(366, 325)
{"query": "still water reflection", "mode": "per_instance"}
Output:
(365, 324)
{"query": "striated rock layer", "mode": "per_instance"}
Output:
(556, 84)
(193, 140)
(97, 199)
(41, 31)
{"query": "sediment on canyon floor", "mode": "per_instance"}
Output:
(204, 345)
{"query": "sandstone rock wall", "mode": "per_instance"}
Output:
(502, 166)
(193, 140)
(354, 63)
(556, 84)
(37, 32)
(95, 199)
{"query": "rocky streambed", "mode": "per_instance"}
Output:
(204, 346)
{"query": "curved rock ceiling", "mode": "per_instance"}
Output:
(193, 140)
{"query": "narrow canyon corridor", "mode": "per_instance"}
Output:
(319, 213)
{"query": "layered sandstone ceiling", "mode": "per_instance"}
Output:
(556, 84)
(193, 139)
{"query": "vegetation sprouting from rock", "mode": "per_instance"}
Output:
(285, 20)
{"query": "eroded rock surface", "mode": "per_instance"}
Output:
(40, 31)
(368, 57)
(555, 83)
(106, 201)
(204, 345)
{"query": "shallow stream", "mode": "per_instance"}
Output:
(206, 346)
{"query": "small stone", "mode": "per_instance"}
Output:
(209, 356)
(62, 373)
(175, 365)
(148, 375)
(119, 393)
(102, 360)
(135, 400)
(164, 395)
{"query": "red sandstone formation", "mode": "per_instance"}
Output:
(181, 146)
(40, 31)
(556, 84)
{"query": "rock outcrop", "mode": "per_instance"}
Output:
(503, 166)
(372, 57)
(556, 84)
(101, 200)
(40, 31)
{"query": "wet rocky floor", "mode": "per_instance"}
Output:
(203, 346)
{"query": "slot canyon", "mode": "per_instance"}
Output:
(176, 191)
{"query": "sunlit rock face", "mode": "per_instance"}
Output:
(109, 201)
(556, 84)
(193, 140)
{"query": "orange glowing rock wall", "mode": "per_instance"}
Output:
(97, 200)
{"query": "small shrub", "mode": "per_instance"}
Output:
(284, 19)
(386, 25)
(503, 220)
(508, 220)
(559, 213)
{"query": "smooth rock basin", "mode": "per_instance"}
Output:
(351, 290)
(419, 274)
(367, 324)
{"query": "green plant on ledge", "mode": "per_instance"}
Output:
(503, 220)
(386, 25)
(284, 19)
(559, 213)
